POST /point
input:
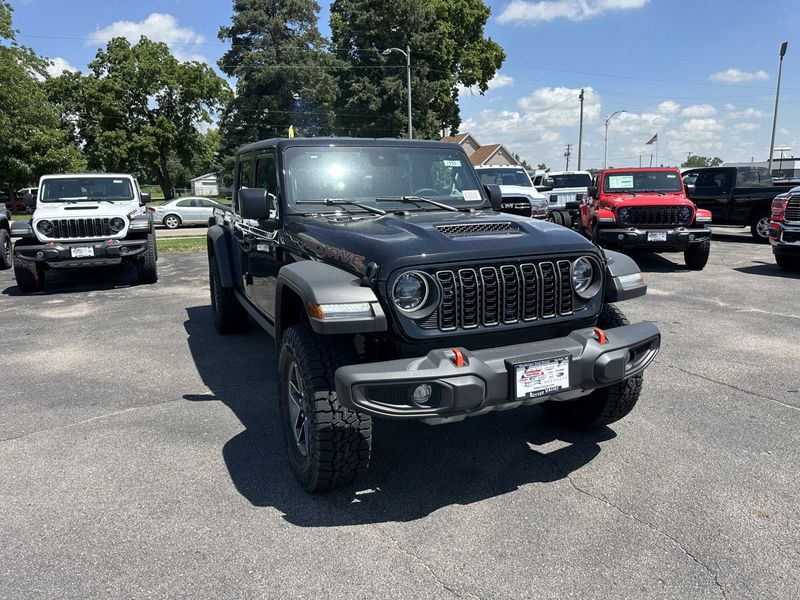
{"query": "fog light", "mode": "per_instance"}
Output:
(40, 254)
(621, 236)
(691, 237)
(422, 393)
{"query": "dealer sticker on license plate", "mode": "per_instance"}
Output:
(82, 251)
(541, 377)
(656, 236)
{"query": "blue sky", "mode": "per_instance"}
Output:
(701, 74)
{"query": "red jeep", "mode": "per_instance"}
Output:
(646, 209)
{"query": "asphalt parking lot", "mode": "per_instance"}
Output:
(140, 457)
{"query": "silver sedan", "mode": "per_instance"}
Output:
(184, 211)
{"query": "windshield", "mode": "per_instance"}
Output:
(86, 188)
(504, 176)
(572, 180)
(642, 181)
(364, 174)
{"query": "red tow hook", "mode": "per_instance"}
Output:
(601, 336)
(458, 357)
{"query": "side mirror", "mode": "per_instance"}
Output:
(29, 200)
(592, 191)
(495, 196)
(145, 198)
(253, 204)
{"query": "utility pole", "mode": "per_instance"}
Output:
(407, 54)
(688, 156)
(567, 154)
(784, 45)
(580, 131)
(605, 139)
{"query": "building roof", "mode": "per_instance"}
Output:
(455, 138)
(484, 153)
(206, 176)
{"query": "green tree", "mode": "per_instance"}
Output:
(282, 71)
(523, 163)
(701, 161)
(542, 167)
(448, 48)
(33, 141)
(139, 107)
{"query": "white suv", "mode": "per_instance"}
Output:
(519, 195)
(81, 220)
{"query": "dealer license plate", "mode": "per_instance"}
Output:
(541, 377)
(656, 236)
(82, 251)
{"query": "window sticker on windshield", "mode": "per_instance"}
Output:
(118, 181)
(472, 195)
(671, 176)
(452, 163)
(620, 181)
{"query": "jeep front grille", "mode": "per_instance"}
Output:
(793, 209)
(80, 228)
(654, 215)
(504, 294)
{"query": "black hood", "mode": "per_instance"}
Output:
(425, 238)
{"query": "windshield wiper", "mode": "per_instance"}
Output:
(415, 200)
(343, 202)
(652, 192)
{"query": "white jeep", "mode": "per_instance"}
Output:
(82, 220)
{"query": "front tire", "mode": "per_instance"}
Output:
(29, 275)
(604, 405)
(696, 255)
(229, 315)
(759, 228)
(146, 268)
(6, 250)
(328, 444)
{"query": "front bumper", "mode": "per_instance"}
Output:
(785, 238)
(676, 239)
(485, 381)
(60, 255)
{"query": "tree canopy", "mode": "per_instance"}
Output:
(33, 141)
(139, 107)
(702, 161)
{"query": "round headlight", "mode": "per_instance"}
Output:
(45, 227)
(410, 291)
(685, 214)
(623, 214)
(117, 224)
(582, 275)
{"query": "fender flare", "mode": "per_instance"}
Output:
(318, 283)
(220, 239)
(622, 282)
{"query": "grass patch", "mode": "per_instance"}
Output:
(20, 217)
(187, 244)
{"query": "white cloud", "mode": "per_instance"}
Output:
(747, 113)
(699, 110)
(746, 126)
(500, 80)
(738, 76)
(159, 27)
(559, 106)
(521, 11)
(58, 65)
(668, 107)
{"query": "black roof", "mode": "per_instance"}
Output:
(282, 143)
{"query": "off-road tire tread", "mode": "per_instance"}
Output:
(146, 262)
(340, 442)
(605, 405)
(229, 314)
(6, 261)
(696, 255)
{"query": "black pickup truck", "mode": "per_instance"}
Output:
(393, 288)
(739, 195)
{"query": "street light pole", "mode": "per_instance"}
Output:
(784, 45)
(407, 54)
(605, 141)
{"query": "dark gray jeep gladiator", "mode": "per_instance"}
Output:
(394, 289)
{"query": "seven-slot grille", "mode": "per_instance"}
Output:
(793, 209)
(80, 228)
(654, 215)
(503, 294)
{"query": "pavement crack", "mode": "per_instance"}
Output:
(89, 420)
(418, 559)
(728, 385)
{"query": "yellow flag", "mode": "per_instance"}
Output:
(291, 131)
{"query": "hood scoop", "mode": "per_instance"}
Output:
(460, 230)
(90, 207)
